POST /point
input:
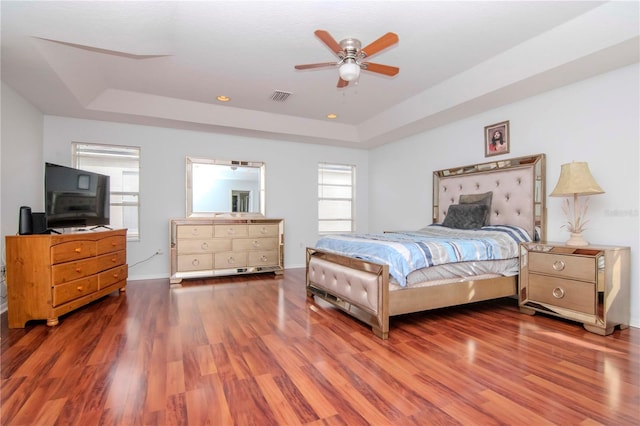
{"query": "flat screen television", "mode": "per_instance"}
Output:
(75, 198)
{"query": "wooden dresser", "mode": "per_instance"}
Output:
(51, 275)
(225, 246)
(586, 284)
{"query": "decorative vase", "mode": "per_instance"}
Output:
(577, 240)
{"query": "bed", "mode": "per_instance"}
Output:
(511, 194)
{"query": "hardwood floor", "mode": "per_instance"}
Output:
(254, 350)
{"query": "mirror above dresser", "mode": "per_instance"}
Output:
(224, 188)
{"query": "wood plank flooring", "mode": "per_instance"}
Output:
(254, 350)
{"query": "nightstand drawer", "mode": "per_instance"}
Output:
(575, 267)
(577, 296)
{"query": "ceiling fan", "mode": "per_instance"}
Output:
(352, 56)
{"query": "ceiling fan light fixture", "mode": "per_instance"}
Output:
(351, 57)
(349, 70)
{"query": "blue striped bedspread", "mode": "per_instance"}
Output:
(406, 252)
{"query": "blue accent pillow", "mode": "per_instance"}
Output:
(466, 216)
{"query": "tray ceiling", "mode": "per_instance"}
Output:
(164, 63)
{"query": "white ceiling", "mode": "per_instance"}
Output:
(164, 63)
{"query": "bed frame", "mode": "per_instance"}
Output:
(362, 289)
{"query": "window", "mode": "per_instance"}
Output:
(122, 164)
(336, 184)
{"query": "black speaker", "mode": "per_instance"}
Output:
(25, 224)
(39, 223)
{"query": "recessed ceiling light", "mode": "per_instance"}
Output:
(223, 98)
(331, 116)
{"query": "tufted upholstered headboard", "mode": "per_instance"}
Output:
(518, 187)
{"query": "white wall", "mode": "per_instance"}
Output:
(596, 120)
(291, 179)
(21, 166)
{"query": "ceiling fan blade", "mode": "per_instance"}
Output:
(342, 83)
(319, 65)
(382, 43)
(329, 41)
(381, 69)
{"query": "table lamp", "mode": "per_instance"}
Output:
(575, 179)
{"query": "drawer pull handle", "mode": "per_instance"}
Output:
(231, 259)
(78, 270)
(114, 260)
(194, 231)
(204, 246)
(263, 258)
(256, 243)
(231, 231)
(79, 288)
(263, 230)
(195, 262)
(558, 293)
(116, 275)
(113, 244)
(558, 265)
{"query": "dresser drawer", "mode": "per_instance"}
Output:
(230, 260)
(575, 267)
(66, 292)
(71, 271)
(72, 250)
(264, 230)
(244, 244)
(230, 230)
(110, 260)
(578, 296)
(111, 244)
(194, 231)
(263, 258)
(203, 246)
(195, 262)
(112, 276)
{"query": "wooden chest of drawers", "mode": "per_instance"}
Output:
(585, 284)
(225, 246)
(51, 275)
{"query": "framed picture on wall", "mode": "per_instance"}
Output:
(496, 139)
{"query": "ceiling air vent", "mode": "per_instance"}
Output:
(280, 96)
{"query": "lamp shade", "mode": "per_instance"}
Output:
(349, 70)
(575, 179)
